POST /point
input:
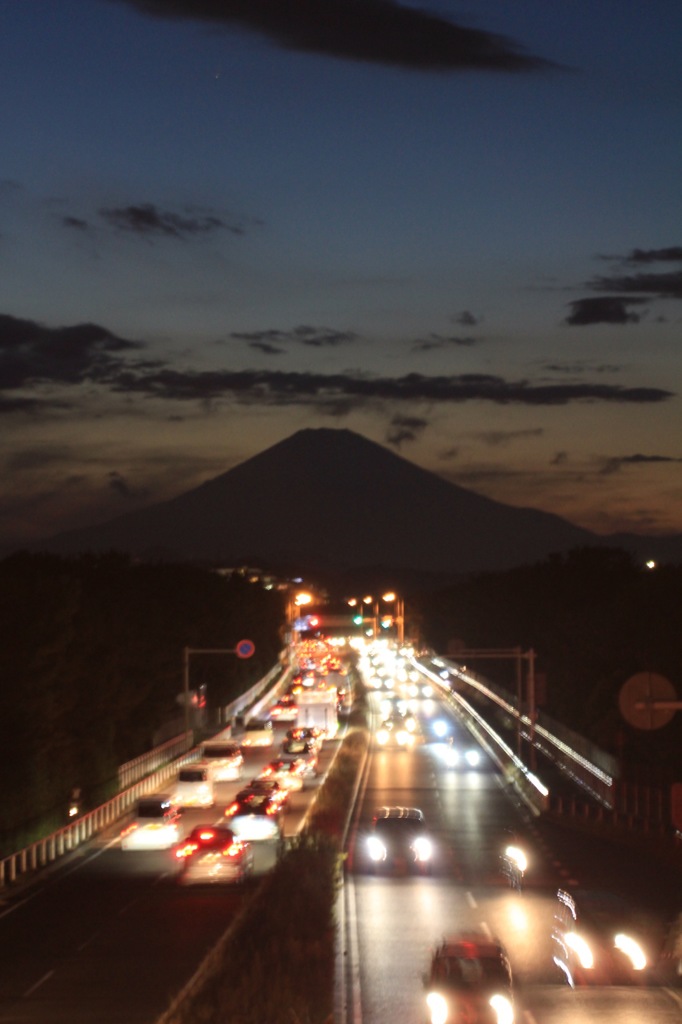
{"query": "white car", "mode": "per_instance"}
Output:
(257, 733)
(225, 758)
(155, 826)
(194, 786)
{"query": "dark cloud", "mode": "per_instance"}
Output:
(75, 222)
(271, 341)
(120, 485)
(673, 254)
(663, 286)
(148, 220)
(615, 463)
(379, 31)
(30, 352)
(466, 319)
(438, 341)
(405, 428)
(495, 438)
(576, 368)
(13, 404)
(609, 309)
(280, 388)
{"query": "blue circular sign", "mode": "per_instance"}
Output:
(245, 648)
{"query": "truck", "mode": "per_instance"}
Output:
(318, 708)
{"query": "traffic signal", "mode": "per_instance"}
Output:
(357, 620)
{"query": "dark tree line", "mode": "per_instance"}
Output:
(91, 668)
(594, 618)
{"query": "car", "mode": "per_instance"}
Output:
(310, 733)
(194, 786)
(394, 732)
(302, 750)
(461, 756)
(599, 940)
(267, 794)
(225, 758)
(155, 825)
(288, 772)
(399, 838)
(255, 815)
(469, 979)
(285, 710)
(213, 854)
(257, 733)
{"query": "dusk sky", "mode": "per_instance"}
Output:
(454, 228)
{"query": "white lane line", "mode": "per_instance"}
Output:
(471, 900)
(354, 955)
(32, 989)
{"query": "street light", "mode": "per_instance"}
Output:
(399, 617)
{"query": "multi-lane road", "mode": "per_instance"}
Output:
(395, 920)
(109, 936)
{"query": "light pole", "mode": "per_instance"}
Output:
(399, 618)
(244, 649)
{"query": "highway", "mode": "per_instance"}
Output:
(397, 918)
(109, 936)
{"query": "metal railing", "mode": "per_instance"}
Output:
(147, 772)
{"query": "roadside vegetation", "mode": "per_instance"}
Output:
(91, 669)
(594, 618)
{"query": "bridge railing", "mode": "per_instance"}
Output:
(144, 775)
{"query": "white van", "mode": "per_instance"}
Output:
(194, 786)
(258, 732)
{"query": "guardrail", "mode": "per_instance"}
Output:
(527, 784)
(45, 851)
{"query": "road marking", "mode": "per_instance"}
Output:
(32, 989)
(471, 900)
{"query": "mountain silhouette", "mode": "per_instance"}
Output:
(332, 499)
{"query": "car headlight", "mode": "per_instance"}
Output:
(376, 848)
(632, 950)
(580, 948)
(382, 737)
(440, 728)
(473, 758)
(423, 848)
(503, 1009)
(438, 1008)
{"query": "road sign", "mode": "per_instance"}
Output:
(245, 648)
(647, 700)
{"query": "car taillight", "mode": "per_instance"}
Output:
(233, 850)
(186, 851)
(208, 834)
(127, 831)
(232, 809)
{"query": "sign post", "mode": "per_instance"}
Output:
(244, 649)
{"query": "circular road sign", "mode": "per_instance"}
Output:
(639, 697)
(245, 648)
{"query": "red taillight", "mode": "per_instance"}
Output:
(233, 850)
(208, 834)
(232, 809)
(127, 831)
